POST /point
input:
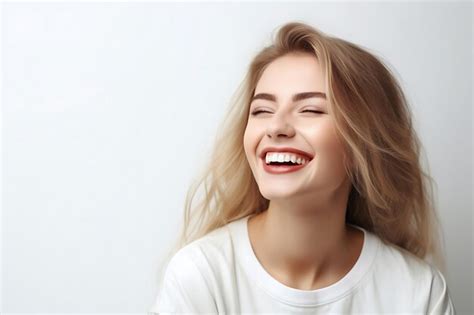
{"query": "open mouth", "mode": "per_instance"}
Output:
(275, 167)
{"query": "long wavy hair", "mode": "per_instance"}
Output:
(391, 195)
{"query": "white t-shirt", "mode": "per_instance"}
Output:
(219, 273)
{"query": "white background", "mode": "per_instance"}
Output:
(110, 109)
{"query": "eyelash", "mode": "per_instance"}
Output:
(306, 110)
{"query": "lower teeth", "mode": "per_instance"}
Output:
(284, 164)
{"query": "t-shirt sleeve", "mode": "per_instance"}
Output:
(440, 300)
(184, 288)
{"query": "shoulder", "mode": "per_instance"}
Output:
(213, 249)
(201, 254)
(189, 281)
(404, 263)
(183, 287)
(422, 282)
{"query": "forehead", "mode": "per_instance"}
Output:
(290, 74)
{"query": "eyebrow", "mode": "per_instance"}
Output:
(296, 97)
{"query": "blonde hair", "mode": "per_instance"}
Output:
(391, 195)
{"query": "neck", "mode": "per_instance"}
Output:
(298, 241)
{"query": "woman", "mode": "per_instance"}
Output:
(315, 199)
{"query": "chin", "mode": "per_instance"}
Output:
(277, 193)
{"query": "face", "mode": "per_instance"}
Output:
(286, 122)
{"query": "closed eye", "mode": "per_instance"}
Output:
(313, 111)
(259, 111)
(306, 110)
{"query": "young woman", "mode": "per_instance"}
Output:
(315, 199)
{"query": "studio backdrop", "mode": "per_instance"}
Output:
(108, 110)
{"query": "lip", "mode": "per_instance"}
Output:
(285, 149)
(283, 169)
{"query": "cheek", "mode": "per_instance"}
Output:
(251, 133)
(328, 144)
(248, 143)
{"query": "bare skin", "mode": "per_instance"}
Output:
(302, 239)
(303, 273)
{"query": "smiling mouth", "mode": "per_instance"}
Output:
(283, 167)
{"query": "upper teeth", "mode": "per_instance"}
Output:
(284, 157)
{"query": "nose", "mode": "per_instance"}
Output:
(279, 127)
